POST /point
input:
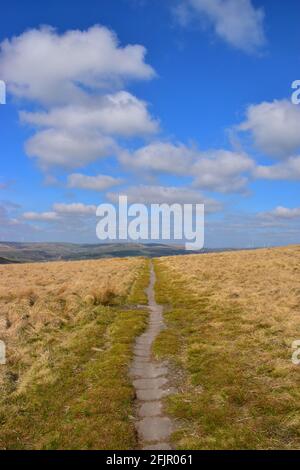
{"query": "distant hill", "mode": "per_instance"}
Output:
(34, 252)
(6, 261)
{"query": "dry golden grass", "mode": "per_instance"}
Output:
(33, 282)
(69, 343)
(234, 317)
(35, 295)
(266, 283)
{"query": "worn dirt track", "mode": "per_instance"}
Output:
(150, 379)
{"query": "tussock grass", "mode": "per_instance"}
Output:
(231, 320)
(69, 343)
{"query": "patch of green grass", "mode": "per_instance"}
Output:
(231, 395)
(76, 392)
(138, 293)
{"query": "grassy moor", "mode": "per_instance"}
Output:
(69, 329)
(231, 319)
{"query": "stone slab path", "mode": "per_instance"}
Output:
(150, 379)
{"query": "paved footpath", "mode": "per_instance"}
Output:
(150, 379)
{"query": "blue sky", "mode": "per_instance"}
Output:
(174, 101)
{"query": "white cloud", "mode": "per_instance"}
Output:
(68, 149)
(215, 170)
(75, 135)
(41, 216)
(118, 114)
(61, 212)
(76, 208)
(275, 127)
(283, 213)
(70, 74)
(237, 22)
(160, 157)
(222, 170)
(94, 183)
(42, 65)
(287, 170)
(144, 194)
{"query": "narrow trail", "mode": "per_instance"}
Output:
(150, 379)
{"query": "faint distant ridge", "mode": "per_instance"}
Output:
(12, 252)
(6, 261)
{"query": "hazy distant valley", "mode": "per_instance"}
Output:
(30, 252)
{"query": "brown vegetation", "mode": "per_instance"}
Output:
(35, 295)
(231, 325)
(69, 343)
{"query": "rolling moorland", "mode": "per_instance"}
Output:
(38, 252)
(70, 328)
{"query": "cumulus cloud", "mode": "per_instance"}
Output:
(145, 194)
(45, 66)
(117, 114)
(160, 157)
(68, 148)
(61, 211)
(275, 127)
(287, 170)
(75, 135)
(237, 22)
(222, 170)
(73, 76)
(94, 183)
(215, 170)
